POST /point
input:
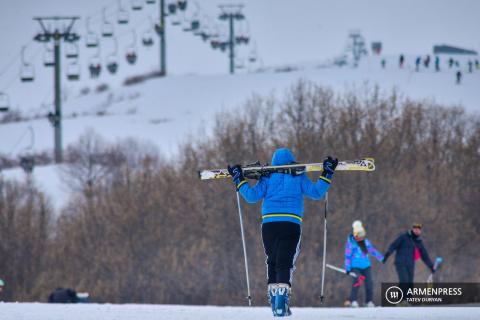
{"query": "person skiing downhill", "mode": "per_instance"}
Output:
(357, 250)
(282, 216)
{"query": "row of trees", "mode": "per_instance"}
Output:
(141, 228)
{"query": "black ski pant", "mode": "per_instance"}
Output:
(357, 283)
(281, 241)
(406, 274)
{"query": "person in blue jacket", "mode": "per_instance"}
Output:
(357, 260)
(282, 217)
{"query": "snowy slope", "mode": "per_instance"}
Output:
(167, 111)
(39, 311)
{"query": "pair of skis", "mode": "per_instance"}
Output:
(256, 170)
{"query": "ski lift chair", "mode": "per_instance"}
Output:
(27, 73)
(73, 71)
(112, 65)
(223, 46)
(147, 39)
(158, 28)
(91, 40)
(48, 58)
(95, 67)
(172, 8)
(131, 56)
(72, 51)
(176, 21)
(122, 16)
(137, 5)
(182, 5)
(4, 102)
(107, 29)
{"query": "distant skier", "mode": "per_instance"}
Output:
(470, 66)
(282, 216)
(426, 62)
(409, 247)
(450, 62)
(477, 64)
(2, 285)
(401, 61)
(437, 63)
(357, 259)
(383, 62)
(459, 77)
(417, 63)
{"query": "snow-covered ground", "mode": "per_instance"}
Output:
(40, 311)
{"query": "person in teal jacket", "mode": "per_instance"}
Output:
(282, 217)
(357, 260)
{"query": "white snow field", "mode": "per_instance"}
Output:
(42, 311)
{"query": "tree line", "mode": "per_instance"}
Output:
(143, 228)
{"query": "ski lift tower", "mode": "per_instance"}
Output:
(357, 46)
(231, 13)
(57, 29)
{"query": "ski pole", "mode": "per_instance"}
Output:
(324, 247)
(249, 297)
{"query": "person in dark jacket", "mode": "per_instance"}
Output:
(282, 217)
(409, 248)
(401, 61)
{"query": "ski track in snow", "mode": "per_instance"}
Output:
(43, 311)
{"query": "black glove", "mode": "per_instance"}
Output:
(237, 175)
(329, 165)
(385, 257)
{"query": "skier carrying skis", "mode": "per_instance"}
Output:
(409, 248)
(282, 216)
(357, 249)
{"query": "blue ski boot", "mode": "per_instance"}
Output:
(282, 297)
(272, 290)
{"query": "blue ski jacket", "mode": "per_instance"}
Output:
(283, 193)
(356, 258)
